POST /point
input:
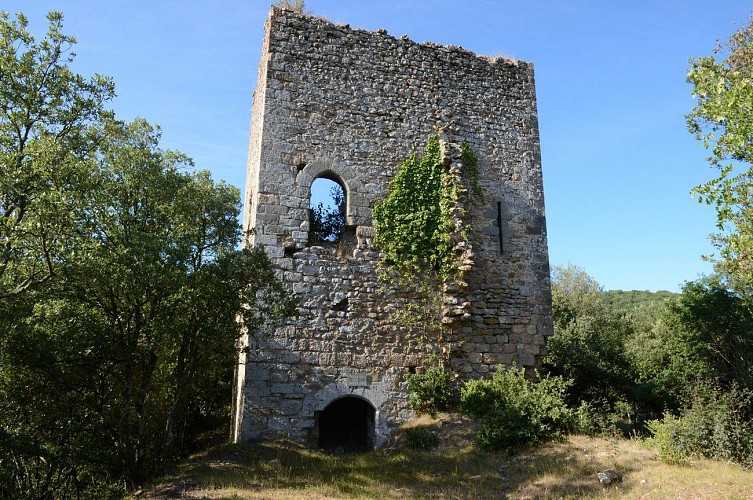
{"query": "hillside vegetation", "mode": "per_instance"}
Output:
(627, 301)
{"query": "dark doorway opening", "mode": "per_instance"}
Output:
(346, 426)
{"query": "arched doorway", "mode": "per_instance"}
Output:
(346, 425)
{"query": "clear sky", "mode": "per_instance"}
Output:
(618, 162)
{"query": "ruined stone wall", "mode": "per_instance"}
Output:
(351, 104)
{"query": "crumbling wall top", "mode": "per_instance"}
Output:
(322, 22)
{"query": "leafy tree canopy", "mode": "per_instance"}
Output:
(588, 342)
(115, 365)
(632, 300)
(51, 122)
(717, 330)
(723, 120)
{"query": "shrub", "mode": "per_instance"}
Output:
(432, 390)
(669, 437)
(294, 5)
(716, 425)
(515, 411)
(602, 417)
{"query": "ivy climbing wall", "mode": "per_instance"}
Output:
(351, 105)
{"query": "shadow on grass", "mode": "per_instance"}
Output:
(456, 468)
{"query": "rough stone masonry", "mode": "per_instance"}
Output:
(349, 105)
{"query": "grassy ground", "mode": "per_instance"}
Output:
(454, 468)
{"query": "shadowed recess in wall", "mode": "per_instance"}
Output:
(346, 426)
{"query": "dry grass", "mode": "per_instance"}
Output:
(455, 469)
(568, 470)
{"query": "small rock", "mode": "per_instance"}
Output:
(609, 476)
(643, 481)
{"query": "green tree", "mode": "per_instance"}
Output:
(723, 120)
(595, 346)
(660, 355)
(717, 331)
(139, 330)
(588, 342)
(122, 358)
(701, 338)
(700, 362)
(51, 121)
(636, 302)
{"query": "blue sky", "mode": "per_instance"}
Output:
(618, 162)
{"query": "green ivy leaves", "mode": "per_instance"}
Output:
(409, 221)
(421, 229)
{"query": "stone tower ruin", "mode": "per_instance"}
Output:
(350, 105)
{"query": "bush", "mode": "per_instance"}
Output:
(670, 438)
(515, 411)
(717, 330)
(432, 390)
(592, 419)
(716, 425)
(605, 418)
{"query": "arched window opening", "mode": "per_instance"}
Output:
(327, 211)
(346, 426)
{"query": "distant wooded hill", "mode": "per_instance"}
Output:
(626, 301)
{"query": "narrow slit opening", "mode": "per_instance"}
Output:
(499, 226)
